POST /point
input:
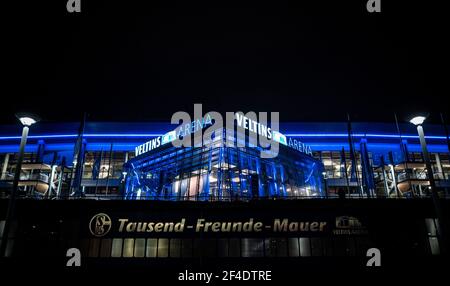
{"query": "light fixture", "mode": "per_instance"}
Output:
(418, 120)
(27, 119)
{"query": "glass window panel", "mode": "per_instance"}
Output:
(234, 247)
(316, 246)
(183, 187)
(193, 188)
(186, 247)
(281, 247)
(434, 245)
(9, 247)
(209, 247)
(294, 249)
(305, 248)
(270, 245)
(85, 247)
(152, 246)
(340, 246)
(139, 247)
(431, 227)
(105, 249)
(222, 247)
(2, 225)
(94, 247)
(252, 247)
(163, 247)
(350, 249)
(175, 247)
(327, 246)
(128, 247)
(362, 244)
(197, 248)
(116, 250)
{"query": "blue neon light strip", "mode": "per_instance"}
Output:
(57, 136)
(345, 135)
(146, 135)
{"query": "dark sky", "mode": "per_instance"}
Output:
(310, 61)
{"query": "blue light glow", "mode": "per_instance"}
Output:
(146, 135)
(345, 135)
(94, 135)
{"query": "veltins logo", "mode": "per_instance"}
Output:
(349, 225)
(100, 224)
(347, 222)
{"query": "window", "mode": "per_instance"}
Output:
(340, 245)
(276, 247)
(152, 247)
(186, 247)
(209, 247)
(222, 247)
(234, 249)
(94, 247)
(252, 247)
(163, 247)
(362, 244)
(293, 247)
(139, 247)
(85, 247)
(2, 226)
(175, 247)
(305, 248)
(237, 247)
(128, 247)
(316, 246)
(327, 244)
(105, 248)
(116, 250)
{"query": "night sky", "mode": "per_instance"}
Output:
(315, 61)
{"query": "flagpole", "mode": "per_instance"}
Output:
(352, 151)
(99, 169)
(406, 157)
(109, 167)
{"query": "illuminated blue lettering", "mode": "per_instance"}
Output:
(255, 124)
(199, 124)
(208, 120)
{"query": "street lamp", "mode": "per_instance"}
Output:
(27, 120)
(418, 121)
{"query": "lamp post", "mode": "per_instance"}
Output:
(418, 121)
(26, 120)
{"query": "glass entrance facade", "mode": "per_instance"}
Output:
(217, 172)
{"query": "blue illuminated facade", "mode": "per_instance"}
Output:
(219, 173)
(378, 161)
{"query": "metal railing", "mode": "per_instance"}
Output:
(225, 198)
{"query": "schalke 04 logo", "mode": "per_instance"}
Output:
(100, 224)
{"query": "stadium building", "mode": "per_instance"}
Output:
(122, 192)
